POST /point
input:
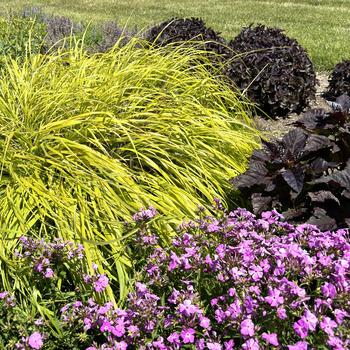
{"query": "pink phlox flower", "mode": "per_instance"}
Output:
(329, 290)
(310, 319)
(174, 338)
(247, 327)
(187, 308)
(120, 345)
(328, 325)
(271, 338)
(251, 344)
(3, 295)
(274, 298)
(118, 330)
(174, 262)
(229, 344)
(204, 322)
(340, 315)
(49, 273)
(188, 335)
(101, 283)
(213, 226)
(106, 327)
(214, 346)
(300, 345)
(336, 343)
(35, 341)
(256, 272)
(133, 331)
(301, 328)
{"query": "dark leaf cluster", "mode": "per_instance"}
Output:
(306, 175)
(180, 30)
(273, 69)
(339, 81)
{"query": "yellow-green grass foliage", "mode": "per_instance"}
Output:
(86, 140)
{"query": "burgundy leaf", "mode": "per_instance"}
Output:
(294, 178)
(317, 142)
(295, 141)
(322, 196)
(260, 203)
(322, 220)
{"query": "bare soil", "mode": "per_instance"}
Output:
(277, 128)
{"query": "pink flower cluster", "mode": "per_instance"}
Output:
(231, 281)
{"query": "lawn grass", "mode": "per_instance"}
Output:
(322, 26)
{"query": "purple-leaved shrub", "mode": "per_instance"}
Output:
(227, 281)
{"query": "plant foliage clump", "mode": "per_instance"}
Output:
(273, 69)
(339, 81)
(111, 33)
(20, 36)
(88, 139)
(306, 175)
(227, 281)
(182, 30)
(57, 29)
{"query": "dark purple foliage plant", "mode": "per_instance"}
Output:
(339, 81)
(306, 175)
(189, 30)
(273, 69)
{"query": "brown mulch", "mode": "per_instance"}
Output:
(277, 128)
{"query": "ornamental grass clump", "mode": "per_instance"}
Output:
(227, 281)
(85, 140)
(273, 70)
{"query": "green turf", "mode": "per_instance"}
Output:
(322, 26)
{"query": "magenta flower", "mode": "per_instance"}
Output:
(106, 327)
(251, 344)
(187, 335)
(329, 290)
(133, 331)
(256, 272)
(120, 346)
(205, 322)
(300, 345)
(301, 328)
(247, 328)
(214, 346)
(101, 283)
(174, 262)
(311, 320)
(174, 338)
(118, 330)
(3, 295)
(49, 273)
(187, 308)
(270, 338)
(229, 345)
(35, 341)
(281, 313)
(340, 315)
(274, 298)
(327, 325)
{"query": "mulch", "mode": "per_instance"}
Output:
(277, 128)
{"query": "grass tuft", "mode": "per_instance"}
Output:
(86, 140)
